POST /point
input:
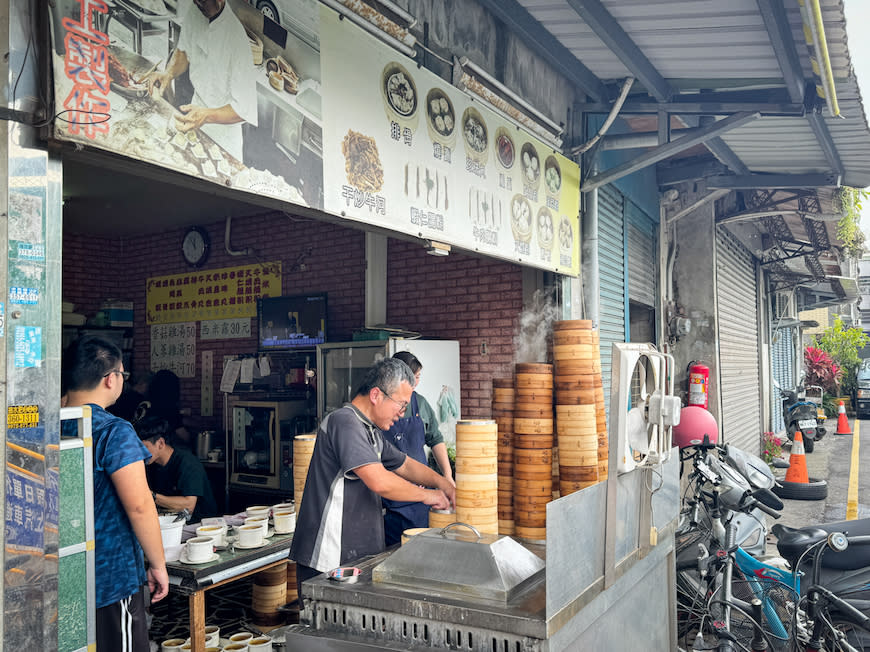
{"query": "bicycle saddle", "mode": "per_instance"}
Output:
(791, 542)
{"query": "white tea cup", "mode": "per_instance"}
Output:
(215, 532)
(262, 521)
(284, 507)
(235, 647)
(199, 549)
(260, 644)
(249, 536)
(212, 635)
(240, 638)
(172, 645)
(257, 510)
(285, 521)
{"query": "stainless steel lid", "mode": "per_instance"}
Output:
(459, 560)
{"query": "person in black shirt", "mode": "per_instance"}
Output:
(176, 477)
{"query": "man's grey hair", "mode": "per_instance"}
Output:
(386, 375)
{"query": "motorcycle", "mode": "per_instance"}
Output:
(801, 414)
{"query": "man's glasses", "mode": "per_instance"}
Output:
(403, 405)
(124, 374)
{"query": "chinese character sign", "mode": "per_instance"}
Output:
(173, 347)
(230, 292)
(86, 64)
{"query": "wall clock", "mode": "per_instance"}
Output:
(195, 246)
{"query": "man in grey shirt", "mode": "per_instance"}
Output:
(352, 468)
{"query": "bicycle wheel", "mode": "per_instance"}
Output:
(852, 637)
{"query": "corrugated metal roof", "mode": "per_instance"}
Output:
(713, 45)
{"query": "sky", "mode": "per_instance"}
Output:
(857, 17)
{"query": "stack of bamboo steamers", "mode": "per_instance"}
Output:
(541, 457)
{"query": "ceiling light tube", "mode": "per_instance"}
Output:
(554, 128)
(402, 41)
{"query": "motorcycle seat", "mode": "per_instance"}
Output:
(792, 542)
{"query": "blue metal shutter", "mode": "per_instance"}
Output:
(642, 259)
(737, 312)
(611, 263)
(782, 370)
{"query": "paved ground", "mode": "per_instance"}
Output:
(831, 460)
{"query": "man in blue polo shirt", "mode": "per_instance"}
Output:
(125, 517)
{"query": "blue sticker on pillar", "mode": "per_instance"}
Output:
(28, 346)
(25, 508)
(24, 296)
(31, 251)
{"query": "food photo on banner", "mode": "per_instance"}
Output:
(216, 89)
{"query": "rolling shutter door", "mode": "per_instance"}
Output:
(737, 309)
(642, 259)
(782, 369)
(611, 262)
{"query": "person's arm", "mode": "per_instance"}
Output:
(388, 484)
(443, 459)
(417, 473)
(159, 82)
(196, 116)
(175, 503)
(132, 489)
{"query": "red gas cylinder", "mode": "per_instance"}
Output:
(699, 383)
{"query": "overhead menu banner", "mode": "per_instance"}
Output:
(269, 108)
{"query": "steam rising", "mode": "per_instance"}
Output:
(535, 328)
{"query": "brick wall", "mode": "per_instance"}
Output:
(458, 297)
(473, 300)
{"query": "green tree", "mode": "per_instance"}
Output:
(849, 227)
(843, 344)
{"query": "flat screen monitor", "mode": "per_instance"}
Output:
(287, 323)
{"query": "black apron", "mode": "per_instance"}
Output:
(408, 434)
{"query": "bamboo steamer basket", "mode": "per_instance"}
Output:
(507, 383)
(579, 474)
(475, 430)
(506, 527)
(503, 395)
(572, 324)
(536, 412)
(534, 381)
(532, 487)
(575, 397)
(411, 532)
(567, 488)
(530, 518)
(532, 456)
(533, 398)
(569, 337)
(575, 352)
(475, 481)
(303, 449)
(533, 427)
(531, 534)
(441, 517)
(478, 500)
(533, 472)
(582, 412)
(532, 368)
(579, 459)
(532, 441)
(476, 465)
(268, 595)
(577, 381)
(579, 367)
(584, 444)
(292, 591)
(477, 448)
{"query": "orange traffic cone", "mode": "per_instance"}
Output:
(797, 461)
(842, 421)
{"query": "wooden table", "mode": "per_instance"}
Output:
(195, 580)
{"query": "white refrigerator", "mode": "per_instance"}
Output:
(342, 366)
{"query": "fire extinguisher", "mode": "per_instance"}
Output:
(699, 384)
